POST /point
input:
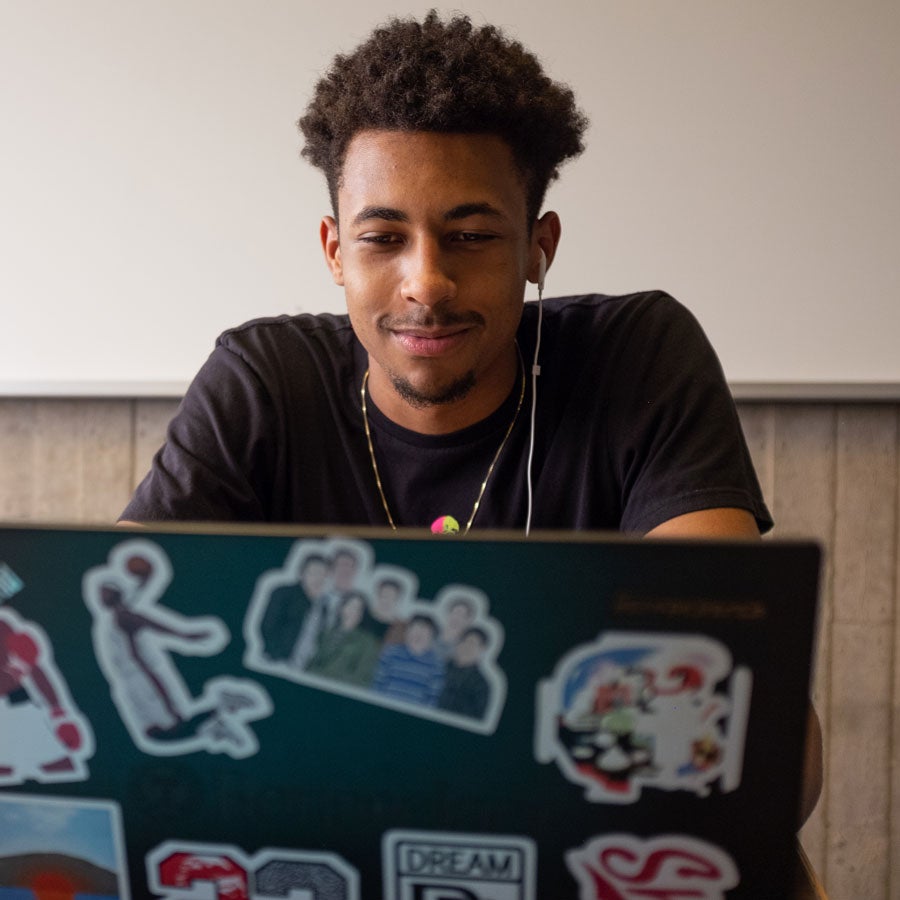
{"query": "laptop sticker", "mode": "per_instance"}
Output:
(136, 640)
(624, 867)
(423, 865)
(43, 736)
(10, 583)
(182, 870)
(61, 848)
(374, 639)
(645, 710)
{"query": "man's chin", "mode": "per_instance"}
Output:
(423, 396)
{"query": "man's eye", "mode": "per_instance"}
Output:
(378, 238)
(473, 237)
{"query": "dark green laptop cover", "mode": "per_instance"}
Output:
(361, 715)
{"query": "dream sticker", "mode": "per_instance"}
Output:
(426, 865)
(634, 710)
(61, 848)
(43, 736)
(333, 619)
(181, 870)
(624, 867)
(136, 638)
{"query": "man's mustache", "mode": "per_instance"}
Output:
(431, 319)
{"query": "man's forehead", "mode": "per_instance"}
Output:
(385, 174)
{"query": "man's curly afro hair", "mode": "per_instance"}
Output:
(445, 77)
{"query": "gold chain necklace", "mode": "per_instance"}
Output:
(384, 503)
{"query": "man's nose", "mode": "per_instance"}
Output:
(427, 275)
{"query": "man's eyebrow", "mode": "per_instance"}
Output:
(387, 213)
(464, 210)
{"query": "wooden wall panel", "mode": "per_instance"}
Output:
(81, 459)
(894, 827)
(827, 471)
(803, 504)
(865, 526)
(858, 771)
(17, 435)
(864, 564)
(64, 460)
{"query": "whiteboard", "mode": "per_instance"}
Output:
(742, 156)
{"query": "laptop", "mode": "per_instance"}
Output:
(239, 713)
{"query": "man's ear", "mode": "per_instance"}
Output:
(545, 236)
(331, 247)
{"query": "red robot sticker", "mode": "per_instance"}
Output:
(645, 710)
(667, 867)
(43, 736)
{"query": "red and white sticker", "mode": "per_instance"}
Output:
(182, 870)
(137, 640)
(43, 735)
(667, 867)
(636, 710)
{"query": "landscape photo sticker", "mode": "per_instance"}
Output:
(58, 848)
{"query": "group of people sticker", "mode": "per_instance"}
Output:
(332, 618)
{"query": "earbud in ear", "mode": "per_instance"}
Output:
(542, 270)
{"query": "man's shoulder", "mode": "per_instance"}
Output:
(302, 328)
(579, 309)
(300, 352)
(605, 322)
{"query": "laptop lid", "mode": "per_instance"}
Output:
(240, 713)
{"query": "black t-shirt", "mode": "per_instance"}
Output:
(634, 425)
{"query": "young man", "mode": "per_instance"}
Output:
(438, 141)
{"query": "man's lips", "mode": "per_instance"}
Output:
(434, 337)
(430, 342)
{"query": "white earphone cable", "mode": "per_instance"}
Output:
(535, 371)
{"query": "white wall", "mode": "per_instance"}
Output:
(742, 156)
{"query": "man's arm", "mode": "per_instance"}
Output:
(708, 523)
(738, 523)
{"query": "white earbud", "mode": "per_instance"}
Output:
(542, 271)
